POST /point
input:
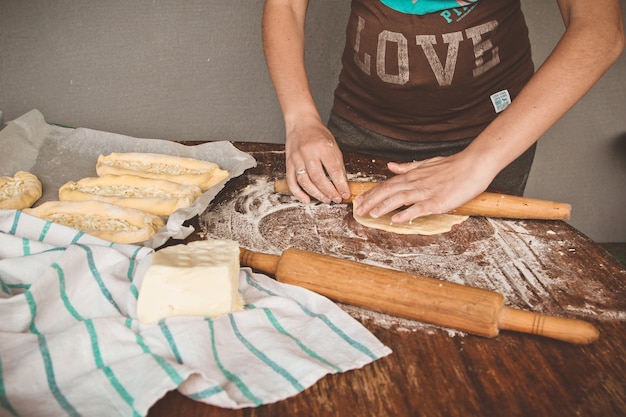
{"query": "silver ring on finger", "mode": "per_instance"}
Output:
(301, 171)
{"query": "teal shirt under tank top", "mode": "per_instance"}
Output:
(421, 7)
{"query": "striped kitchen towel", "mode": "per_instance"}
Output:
(71, 344)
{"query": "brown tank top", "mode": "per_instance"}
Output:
(435, 77)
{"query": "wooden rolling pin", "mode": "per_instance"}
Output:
(485, 204)
(415, 297)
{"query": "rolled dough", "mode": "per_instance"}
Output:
(433, 224)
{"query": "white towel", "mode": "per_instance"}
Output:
(71, 344)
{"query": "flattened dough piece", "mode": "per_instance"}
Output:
(19, 192)
(433, 224)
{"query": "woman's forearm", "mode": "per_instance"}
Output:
(284, 46)
(592, 42)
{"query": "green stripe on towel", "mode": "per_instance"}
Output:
(229, 375)
(309, 352)
(96, 274)
(113, 380)
(48, 366)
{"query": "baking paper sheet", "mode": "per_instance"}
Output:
(57, 155)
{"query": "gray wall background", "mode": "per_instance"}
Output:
(195, 70)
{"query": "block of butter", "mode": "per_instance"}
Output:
(196, 279)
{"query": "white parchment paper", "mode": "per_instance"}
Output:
(57, 155)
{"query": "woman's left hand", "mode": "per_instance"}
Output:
(431, 186)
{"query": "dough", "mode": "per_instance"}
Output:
(158, 197)
(177, 169)
(433, 224)
(20, 191)
(106, 221)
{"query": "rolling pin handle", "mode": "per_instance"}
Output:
(567, 330)
(263, 262)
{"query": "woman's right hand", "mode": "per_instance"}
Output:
(314, 164)
(313, 160)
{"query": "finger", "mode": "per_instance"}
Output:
(404, 167)
(326, 175)
(388, 196)
(295, 168)
(367, 200)
(334, 184)
(393, 202)
(401, 168)
(412, 212)
(337, 173)
(295, 189)
(306, 178)
(322, 188)
(309, 182)
(340, 180)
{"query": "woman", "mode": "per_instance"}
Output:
(446, 86)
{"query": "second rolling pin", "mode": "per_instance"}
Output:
(415, 297)
(485, 204)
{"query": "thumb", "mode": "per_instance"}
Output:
(401, 168)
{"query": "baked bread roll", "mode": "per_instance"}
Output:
(158, 197)
(20, 191)
(204, 174)
(104, 220)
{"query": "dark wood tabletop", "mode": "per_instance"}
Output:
(538, 265)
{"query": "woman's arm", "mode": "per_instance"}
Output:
(314, 163)
(592, 42)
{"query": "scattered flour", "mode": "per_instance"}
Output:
(398, 324)
(493, 254)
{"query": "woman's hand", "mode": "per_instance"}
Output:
(431, 186)
(314, 164)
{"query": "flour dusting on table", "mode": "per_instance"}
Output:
(493, 254)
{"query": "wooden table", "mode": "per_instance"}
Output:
(545, 266)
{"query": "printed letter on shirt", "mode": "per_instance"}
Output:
(444, 75)
(365, 64)
(481, 47)
(403, 57)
